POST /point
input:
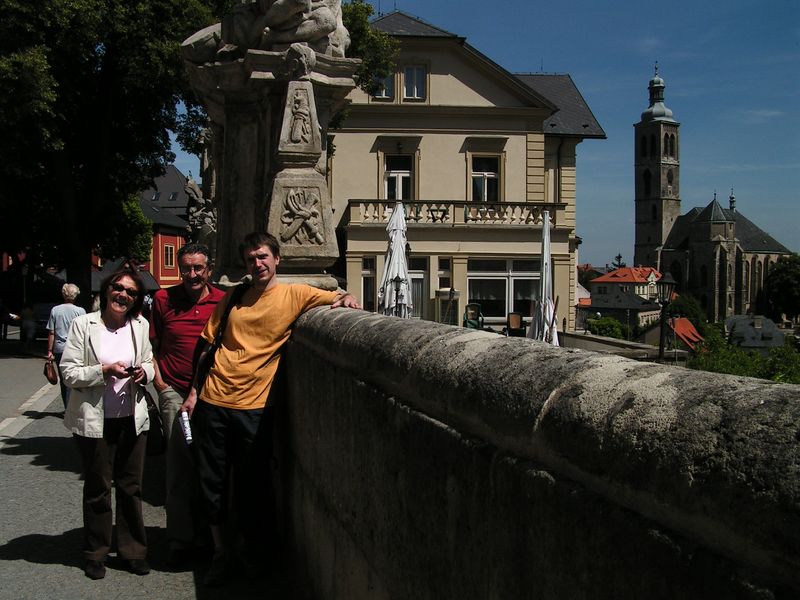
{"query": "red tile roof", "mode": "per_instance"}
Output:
(628, 275)
(684, 329)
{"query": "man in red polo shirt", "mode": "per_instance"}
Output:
(179, 315)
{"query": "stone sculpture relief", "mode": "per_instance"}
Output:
(301, 217)
(301, 118)
(271, 25)
(202, 215)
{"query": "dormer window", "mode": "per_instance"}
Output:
(173, 196)
(155, 197)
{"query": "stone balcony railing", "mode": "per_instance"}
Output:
(455, 213)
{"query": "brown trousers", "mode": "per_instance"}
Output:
(119, 457)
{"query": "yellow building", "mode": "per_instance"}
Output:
(475, 153)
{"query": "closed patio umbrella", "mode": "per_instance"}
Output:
(394, 294)
(543, 320)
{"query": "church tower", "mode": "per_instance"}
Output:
(657, 171)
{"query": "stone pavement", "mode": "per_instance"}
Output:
(40, 510)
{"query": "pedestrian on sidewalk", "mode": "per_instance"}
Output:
(107, 361)
(233, 416)
(178, 316)
(58, 323)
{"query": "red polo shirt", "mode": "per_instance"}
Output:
(176, 322)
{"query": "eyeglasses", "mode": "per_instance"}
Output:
(132, 292)
(199, 269)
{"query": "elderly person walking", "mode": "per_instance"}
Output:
(61, 317)
(107, 361)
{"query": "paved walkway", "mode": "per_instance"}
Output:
(40, 513)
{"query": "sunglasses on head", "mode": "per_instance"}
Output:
(132, 292)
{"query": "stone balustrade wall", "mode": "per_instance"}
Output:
(423, 461)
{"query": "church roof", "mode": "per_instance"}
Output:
(713, 213)
(574, 117)
(750, 236)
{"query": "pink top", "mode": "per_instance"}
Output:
(117, 346)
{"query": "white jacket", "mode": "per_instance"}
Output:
(83, 373)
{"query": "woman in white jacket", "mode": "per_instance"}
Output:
(107, 361)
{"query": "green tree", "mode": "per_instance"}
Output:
(608, 327)
(687, 306)
(715, 354)
(782, 287)
(90, 89)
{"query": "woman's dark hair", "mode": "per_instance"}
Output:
(136, 307)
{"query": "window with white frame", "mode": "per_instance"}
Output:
(368, 283)
(414, 82)
(502, 285)
(169, 256)
(385, 88)
(485, 178)
(398, 177)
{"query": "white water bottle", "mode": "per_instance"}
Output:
(186, 427)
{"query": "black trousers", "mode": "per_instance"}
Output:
(118, 455)
(236, 444)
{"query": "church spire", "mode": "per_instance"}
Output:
(657, 110)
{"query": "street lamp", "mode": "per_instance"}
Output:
(665, 285)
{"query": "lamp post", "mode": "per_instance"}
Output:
(397, 281)
(665, 285)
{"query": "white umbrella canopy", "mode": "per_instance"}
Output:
(394, 294)
(544, 320)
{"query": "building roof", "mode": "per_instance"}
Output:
(573, 117)
(753, 331)
(167, 193)
(750, 236)
(402, 24)
(713, 213)
(623, 300)
(684, 329)
(628, 275)
(166, 201)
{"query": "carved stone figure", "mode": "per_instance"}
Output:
(301, 217)
(301, 118)
(265, 24)
(202, 215)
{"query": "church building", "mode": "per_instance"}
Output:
(715, 254)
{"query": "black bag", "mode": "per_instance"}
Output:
(156, 440)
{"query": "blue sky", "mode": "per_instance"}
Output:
(732, 73)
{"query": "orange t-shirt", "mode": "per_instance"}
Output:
(247, 360)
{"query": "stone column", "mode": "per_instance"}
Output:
(272, 109)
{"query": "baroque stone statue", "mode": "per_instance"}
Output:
(270, 76)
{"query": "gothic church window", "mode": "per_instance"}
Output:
(666, 144)
(643, 146)
(654, 212)
(648, 178)
(653, 147)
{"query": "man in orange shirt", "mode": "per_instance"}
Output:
(232, 418)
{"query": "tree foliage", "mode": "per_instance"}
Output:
(782, 287)
(376, 49)
(715, 354)
(90, 89)
(618, 263)
(687, 306)
(607, 326)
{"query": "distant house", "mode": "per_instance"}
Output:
(166, 205)
(628, 294)
(753, 333)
